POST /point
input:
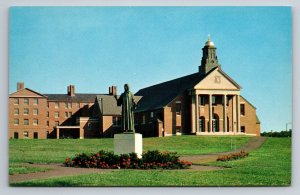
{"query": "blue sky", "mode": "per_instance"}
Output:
(96, 47)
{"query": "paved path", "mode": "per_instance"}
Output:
(58, 170)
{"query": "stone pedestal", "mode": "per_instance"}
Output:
(126, 143)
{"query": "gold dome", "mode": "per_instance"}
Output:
(209, 42)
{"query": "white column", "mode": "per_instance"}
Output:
(225, 113)
(57, 133)
(238, 113)
(193, 114)
(197, 112)
(234, 113)
(210, 112)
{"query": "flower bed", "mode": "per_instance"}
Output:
(233, 156)
(108, 160)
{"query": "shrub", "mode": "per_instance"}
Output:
(108, 160)
(233, 156)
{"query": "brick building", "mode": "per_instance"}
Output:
(207, 102)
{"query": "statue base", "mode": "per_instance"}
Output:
(128, 142)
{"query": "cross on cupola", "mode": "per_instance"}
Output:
(209, 57)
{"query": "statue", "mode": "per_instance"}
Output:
(128, 104)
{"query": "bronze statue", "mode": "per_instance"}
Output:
(128, 104)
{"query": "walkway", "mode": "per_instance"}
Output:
(58, 170)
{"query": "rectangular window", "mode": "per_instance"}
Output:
(25, 134)
(35, 101)
(26, 121)
(26, 101)
(16, 135)
(56, 114)
(56, 105)
(47, 104)
(66, 114)
(16, 111)
(16, 101)
(214, 100)
(201, 100)
(243, 109)
(151, 114)
(35, 122)
(47, 114)
(35, 111)
(26, 111)
(16, 121)
(47, 123)
(70, 114)
(56, 123)
(69, 105)
(116, 121)
(243, 129)
(178, 108)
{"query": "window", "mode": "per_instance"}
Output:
(116, 121)
(56, 123)
(151, 114)
(16, 111)
(47, 104)
(35, 111)
(47, 114)
(243, 109)
(26, 111)
(25, 134)
(78, 105)
(178, 108)
(70, 114)
(26, 101)
(214, 100)
(69, 105)
(16, 121)
(47, 123)
(26, 122)
(35, 122)
(243, 129)
(16, 101)
(35, 101)
(56, 105)
(201, 100)
(56, 114)
(66, 114)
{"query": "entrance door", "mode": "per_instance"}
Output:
(35, 135)
(16, 135)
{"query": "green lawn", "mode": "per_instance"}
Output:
(19, 168)
(268, 166)
(55, 151)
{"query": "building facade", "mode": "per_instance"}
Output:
(208, 102)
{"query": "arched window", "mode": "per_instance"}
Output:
(215, 123)
(202, 124)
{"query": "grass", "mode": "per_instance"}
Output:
(268, 166)
(16, 168)
(55, 151)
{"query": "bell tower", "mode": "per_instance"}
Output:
(209, 57)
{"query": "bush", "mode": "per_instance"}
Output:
(108, 160)
(233, 156)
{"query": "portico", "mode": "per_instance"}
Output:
(215, 112)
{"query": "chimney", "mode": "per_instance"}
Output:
(20, 85)
(112, 90)
(71, 90)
